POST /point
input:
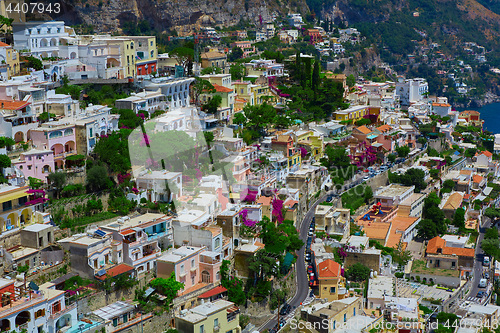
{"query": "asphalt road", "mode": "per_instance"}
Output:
(302, 290)
(478, 263)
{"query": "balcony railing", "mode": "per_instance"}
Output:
(62, 312)
(20, 304)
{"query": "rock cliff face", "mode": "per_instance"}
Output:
(109, 15)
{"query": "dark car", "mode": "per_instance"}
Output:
(480, 294)
(309, 242)
(329, 198)
(285, 309)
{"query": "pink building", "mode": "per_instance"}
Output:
(58, 137)
(185, 263)
(36, 163)
(246, 46)
(210, 263)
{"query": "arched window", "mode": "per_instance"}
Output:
(68, 131)
(55, 134)
(205, 277)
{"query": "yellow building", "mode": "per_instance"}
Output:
(127, 53)
(218, 316)
(335, 314)
(352, 114)
(146, 54)
(313, 143)
(9, 59)
(16, 208)
(331, 281)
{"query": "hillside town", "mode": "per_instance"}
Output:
(222, 188)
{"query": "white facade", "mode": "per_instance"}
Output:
(42, 39)
(411, 90)
(176, 91)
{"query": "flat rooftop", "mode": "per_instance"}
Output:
(380, 286)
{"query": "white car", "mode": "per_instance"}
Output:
(365, 178)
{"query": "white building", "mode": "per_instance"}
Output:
(42, 39)
(149, 101)
(176, 91)
(411, 90)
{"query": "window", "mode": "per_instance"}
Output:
(192, 263)
(202, 329)
(216, 322)
(182, 269)
(217, 243)
(345, 317)
(332, 290)
(40, 313)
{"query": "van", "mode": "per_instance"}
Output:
(486, 261)
(483, 283)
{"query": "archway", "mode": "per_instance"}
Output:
(22, 318)
(54, 54)
(5, 325)
(57, 149)
(205, 277)
(53, 42)
(13, 219)
(44, 42)
(236, 243)
(19, 137)
(72, 55)
(63, 321)
(69, 147)
(26, 215)
(2, 224)
(46, 169)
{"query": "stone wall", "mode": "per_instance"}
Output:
(370, 260)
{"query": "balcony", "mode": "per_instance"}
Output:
(67, 309)
(19, 304)
(138, 319)
(156, 235)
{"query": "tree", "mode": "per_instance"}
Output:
(403, 151)
(201, 86)
(350, 81)
(212, 105)
(58, 180)
(315, 81)
(69, 89)
(492, 213)
(358, 272)
(35, 183)
(113, 151)
(263, 265)
(470, 152)
(237, 72)
(491, 233)
(236, 53)
(391, 158)
(364, 121)
(401, 256)
(426, 229)
(448, 186)
(97, 178)
(34, 63)
(239, 119)
(459, 219)
(259, 116)
(209, 138)
(167, 287)
(234, 286)
(184, 56)
(4, 162)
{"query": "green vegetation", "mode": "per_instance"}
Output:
(353, 200)
(433, 222)
(419, 267)
(412, 177)
(358, 272)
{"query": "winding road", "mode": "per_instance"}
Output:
(302, 290)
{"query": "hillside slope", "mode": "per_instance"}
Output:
(395, 23)
(110, 15)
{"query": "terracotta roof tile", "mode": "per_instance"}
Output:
(384, 128)
(477, 179)
(114, 271)
(212, 292)
(329, 269)
(12, 105)
(364, 129)
(434, 244)
(221, 88)
(454, 201)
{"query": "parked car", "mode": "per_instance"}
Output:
(285, 309)
(365, 178)
(487, 276)
(481, 294)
